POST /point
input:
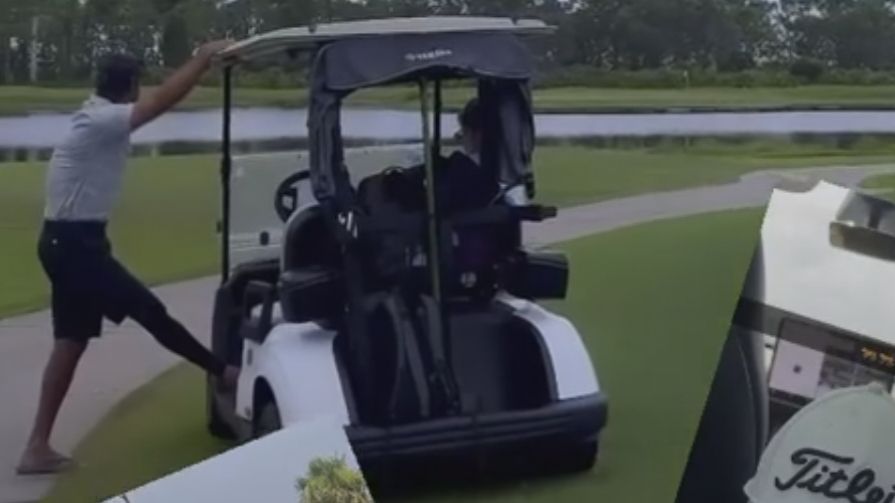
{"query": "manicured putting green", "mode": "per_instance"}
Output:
(883, 185)
(653, 302)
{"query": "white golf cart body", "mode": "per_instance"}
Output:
(820, 293)
(296, 363)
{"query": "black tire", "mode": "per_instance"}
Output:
(267, 419)
(584, 457)
(216, 425)
(573, 459)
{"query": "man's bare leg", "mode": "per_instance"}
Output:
(39, 457)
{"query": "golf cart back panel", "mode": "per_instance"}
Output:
(365, 306)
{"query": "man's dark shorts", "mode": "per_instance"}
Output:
(88, 284)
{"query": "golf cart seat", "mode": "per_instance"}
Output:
(310, 286)
(469, 252)
(394, 228)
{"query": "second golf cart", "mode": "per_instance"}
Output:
(343, 296)
(818, 294)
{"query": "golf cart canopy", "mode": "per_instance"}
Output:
(355, 55)
(308, 38)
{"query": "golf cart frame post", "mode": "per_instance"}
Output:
(226, 169)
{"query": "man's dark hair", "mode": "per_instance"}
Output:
(471, 116)
(116, 75)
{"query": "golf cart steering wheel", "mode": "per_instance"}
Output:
(286, 198)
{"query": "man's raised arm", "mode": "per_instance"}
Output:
(152, 104)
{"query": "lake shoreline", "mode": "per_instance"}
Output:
(266, 128)
(17, 101)
(541, 110)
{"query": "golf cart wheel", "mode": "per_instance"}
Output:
(573, 459)
(267, 420)
(586, 455)
(583, 457)
(216, 424)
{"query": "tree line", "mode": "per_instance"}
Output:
(57, 41)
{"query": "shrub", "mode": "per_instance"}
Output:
(590, 76)
(331, 480)
(807, 70)
(858, 77)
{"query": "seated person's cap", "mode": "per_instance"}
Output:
(839, 448)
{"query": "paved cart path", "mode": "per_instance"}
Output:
(126, 358)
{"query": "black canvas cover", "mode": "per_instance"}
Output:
(354, 63)
(347, 65)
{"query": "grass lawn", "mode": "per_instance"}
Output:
(884, 183)
(173, 200)
(24, 99)
(655, 337)
(167, 204)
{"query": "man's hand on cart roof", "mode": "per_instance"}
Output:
(210, 49)
(153, 104)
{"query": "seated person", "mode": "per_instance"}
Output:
(465, 183)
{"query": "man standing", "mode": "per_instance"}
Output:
(88, 284)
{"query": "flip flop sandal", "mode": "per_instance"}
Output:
(55, 466)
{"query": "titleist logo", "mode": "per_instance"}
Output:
(827, 474)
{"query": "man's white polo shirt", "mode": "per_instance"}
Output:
(87, 168)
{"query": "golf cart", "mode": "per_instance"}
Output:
(819, 295)
(342, 295)
(814, 316)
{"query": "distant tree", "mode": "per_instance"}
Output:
(283, 13)
(844, 33)
(719, 35)
(807, 70)
(175, 43)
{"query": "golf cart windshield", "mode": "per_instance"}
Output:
(262, 183)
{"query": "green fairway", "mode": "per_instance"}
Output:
(576, 175)
(24, 99)
(655, 336)
(164, 228)
(172, 201)
(885, 184)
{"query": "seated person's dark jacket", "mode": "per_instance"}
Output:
(466, 186)
(462, 185)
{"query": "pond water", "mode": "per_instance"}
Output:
(273, 128)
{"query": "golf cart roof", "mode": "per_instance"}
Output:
(307, 38)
